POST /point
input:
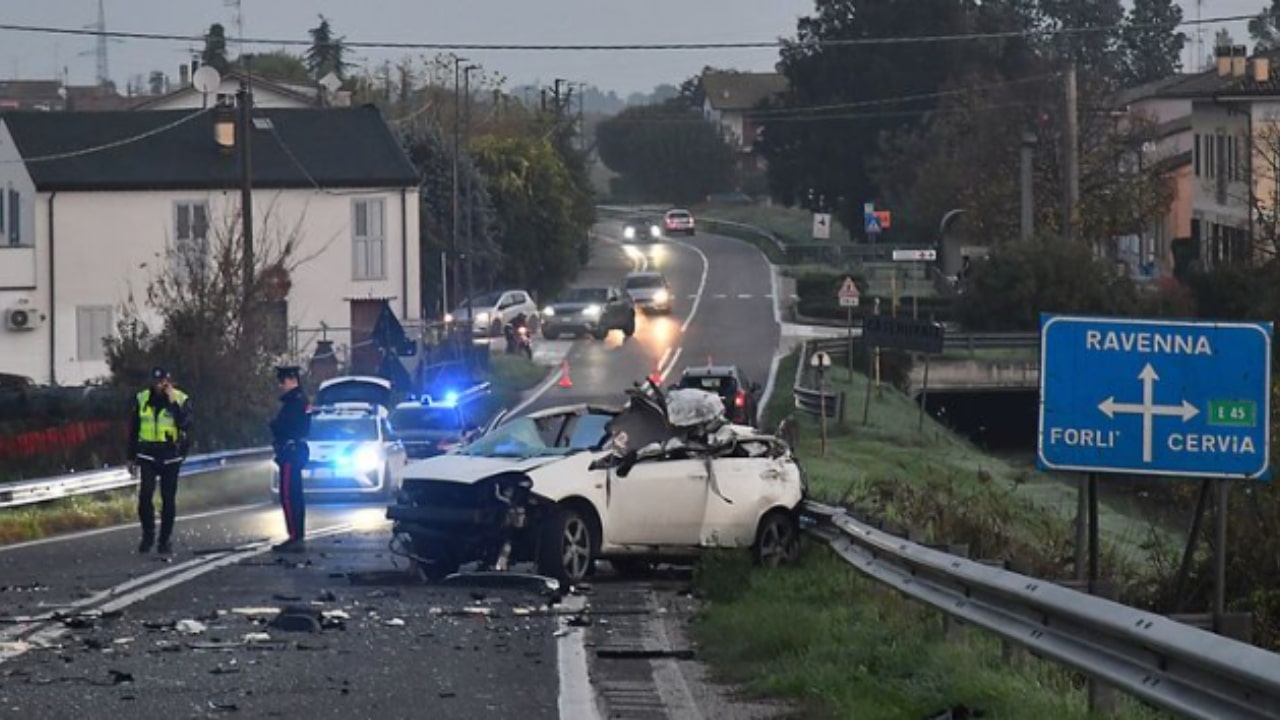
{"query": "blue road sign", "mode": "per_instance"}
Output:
(872, 223)
(1155, 397)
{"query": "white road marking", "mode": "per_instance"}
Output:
(744, 296)
(674, 358)
(702, 286)
(539, 391)
(768, 385)
(577, 700)
(126, 526)
(141, 588)
(666, 355)
(720, 296)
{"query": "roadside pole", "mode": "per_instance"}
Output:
(849, 299)
(924, 395)
(820, 362)
(1220, 554)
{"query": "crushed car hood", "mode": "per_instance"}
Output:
(468, 469)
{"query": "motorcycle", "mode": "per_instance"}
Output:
(519, 340)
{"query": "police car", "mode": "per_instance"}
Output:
(353, 450)
(434, 426)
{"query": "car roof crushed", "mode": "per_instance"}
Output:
(655, 424)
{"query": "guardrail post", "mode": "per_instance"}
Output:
(951, 629)
(1103, 698)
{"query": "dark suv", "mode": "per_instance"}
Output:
(740, 397)
(594, 310)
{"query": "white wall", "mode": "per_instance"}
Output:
(1208, 120)
(189, 99)
(27, 352)
(110, 244)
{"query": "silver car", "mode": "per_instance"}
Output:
(650, 291)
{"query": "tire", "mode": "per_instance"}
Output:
(600, 333)
(567, 546)
(629, 328)
(550, 334)
(777, 540)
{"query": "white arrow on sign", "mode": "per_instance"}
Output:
(1148, 409)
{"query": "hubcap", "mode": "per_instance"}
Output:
(575, 548)
(775, 543)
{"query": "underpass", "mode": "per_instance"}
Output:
(95, 612)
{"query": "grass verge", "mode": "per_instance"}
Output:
(841, 646)
(792, 224)
(510, 375)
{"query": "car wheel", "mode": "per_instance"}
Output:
(495, 329)
(433, 563)
(630, 328)
(777, 540)
(550, 333)
(567, 548)
(600, 333)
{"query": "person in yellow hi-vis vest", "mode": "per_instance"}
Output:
(159, 439)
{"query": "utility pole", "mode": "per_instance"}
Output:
(559, 102)
(1028, 195)
(1073, 155)
(466, 82)
(245, 99)
(457, 129)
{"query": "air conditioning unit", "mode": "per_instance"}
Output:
(23, 318)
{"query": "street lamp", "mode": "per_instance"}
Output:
(457, 123)
(466, 81)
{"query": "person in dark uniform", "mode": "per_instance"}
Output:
(289, 432)
(159, 439)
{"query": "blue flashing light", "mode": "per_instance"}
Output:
(451, 398)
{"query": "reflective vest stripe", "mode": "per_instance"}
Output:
(157, 427)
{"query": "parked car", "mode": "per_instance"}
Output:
(679, 222)
(739, 396)
(434, 426)
(589, 310)
(493, 310)
(664, 478)
(650, 291)
(641, 230)
(353, 452)
(347, 389)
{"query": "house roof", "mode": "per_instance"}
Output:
(29, 93)
(736, 91)
(283, 87)
(1174, 162)
(1148, 90)
(1173, 127)
(175, 150)
(1209, 84)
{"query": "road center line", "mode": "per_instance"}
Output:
(577, 700)
(127, 526)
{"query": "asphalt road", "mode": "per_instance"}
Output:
(89, 628)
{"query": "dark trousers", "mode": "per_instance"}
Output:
(291, 497)
(167, 476)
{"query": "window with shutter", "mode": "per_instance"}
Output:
(368, 240)
(93, 327)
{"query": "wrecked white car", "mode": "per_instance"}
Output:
(661, 479)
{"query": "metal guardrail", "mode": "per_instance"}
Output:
(1177, 667)
(817, 403)
(953, 341)
(32, 492)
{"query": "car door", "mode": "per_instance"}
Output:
(744, 489)
(659, 502)
(617, 307)
(397, 456)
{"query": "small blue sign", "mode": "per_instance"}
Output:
(1154, 397)
(871, 222)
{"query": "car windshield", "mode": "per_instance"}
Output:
(585, 295)
(710, 383)
(519, 438)
(338, 429)
(644, 281)
(427, 417)
(678, 215)
(487, 300)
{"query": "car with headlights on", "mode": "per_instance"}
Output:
(494, 310)
(650, 291)
(679, 222)
(353, 454)
(641, 230)
(663, 479)
(589, 311)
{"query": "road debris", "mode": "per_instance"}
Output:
(394, 622)
(297, 618)
(256, 637)
(190, 627)
(223, 706)
(638, 654)
(256, 612)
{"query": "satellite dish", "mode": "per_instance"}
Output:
(206, 80)
(331, 83)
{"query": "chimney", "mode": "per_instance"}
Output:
(1223, 54)
(1261, 70)
(1239, 58)
(184, 75)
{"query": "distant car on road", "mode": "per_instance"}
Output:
(589, 310)
(650, 291)
(641, 230)
(680, 222)
(740, 397)
(493, 310)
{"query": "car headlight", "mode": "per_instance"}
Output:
(448, 317)
(661, 297)
(629, 232)
(655, 231)
(367, 459)
(592, 311)
(482, 318)
(549, 312)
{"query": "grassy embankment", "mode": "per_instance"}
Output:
(843, 646)
(510, 375)
(791, 225)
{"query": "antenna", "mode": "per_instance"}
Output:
(237, 19)
(1200, 56)
(104, 74)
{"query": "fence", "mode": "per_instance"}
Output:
(1176, 667)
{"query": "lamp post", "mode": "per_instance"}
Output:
(245, 100)
(457, 128)
(466, 82)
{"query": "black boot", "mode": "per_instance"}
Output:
(164, 548)
(145, 545)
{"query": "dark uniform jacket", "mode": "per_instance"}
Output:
(160, 451)
(291, 425)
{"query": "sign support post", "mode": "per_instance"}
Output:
(822, 389)
(1193, 540)
(1220, 554)
(849, 299)
(924, 396)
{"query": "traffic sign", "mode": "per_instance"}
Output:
(1155, 397)
(903, 333)
(820, 360)
(885, 218)
(822, 226)
(871, 222)
(849, 295)
(928, 255)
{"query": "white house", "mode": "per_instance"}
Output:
(92, 202)
(267, 93)
(729, 99)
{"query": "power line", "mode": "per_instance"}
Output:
(771, 113)
(111, 145)
(598, 47)
(658, 119)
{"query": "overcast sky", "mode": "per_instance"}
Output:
(28, 56)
